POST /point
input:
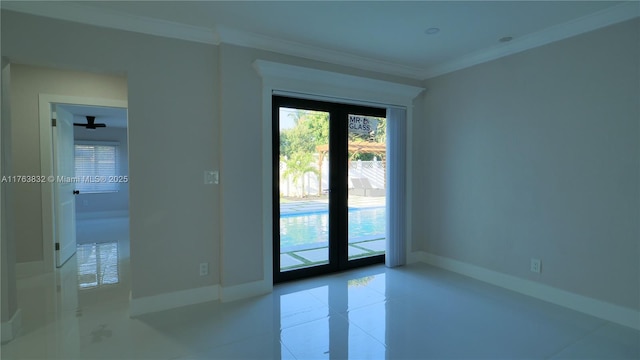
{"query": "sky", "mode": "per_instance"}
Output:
(286, 118)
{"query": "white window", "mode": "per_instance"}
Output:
(96, 166)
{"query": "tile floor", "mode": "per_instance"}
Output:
(412, 312)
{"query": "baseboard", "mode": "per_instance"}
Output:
(415, 257)
(182, 298)
(28, 269)
(247, 290)
(94, 215)
(598, 308)
(150, 304)
(10, 329)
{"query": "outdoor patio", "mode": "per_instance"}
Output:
(298, 256)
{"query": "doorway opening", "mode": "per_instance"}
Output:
(91, 190)
(329, 169)
(102, 198)
(89, 161)
(87, 258)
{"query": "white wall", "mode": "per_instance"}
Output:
(173, 138)
(90, 205)
(538, 155)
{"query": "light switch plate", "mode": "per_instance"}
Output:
(211, 177)
(208, 177)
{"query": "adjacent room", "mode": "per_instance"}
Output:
(302, 180)
(102, 202)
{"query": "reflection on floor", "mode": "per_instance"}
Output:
(97, 265)
(412, 312)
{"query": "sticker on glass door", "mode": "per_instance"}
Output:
(367, 186)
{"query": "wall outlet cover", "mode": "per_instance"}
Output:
(204, 269)
(536, 265)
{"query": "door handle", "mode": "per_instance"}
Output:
(76, 192)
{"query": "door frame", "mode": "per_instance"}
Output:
(338, 182)
(45, 101)
(309, 83)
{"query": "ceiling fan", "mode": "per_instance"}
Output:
(91, 123)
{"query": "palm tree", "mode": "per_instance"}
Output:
(299, 164)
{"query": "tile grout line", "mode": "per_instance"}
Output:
(604, 323)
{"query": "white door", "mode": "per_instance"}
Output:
(64, 191)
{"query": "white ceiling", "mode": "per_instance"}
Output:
(385, 36)
(112, 117)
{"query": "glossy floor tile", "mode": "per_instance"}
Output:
(412, 312)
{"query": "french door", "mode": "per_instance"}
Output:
(329, 186)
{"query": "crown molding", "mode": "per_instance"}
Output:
(316, 82)
(256, 41)
(78, 13)
(606, 17)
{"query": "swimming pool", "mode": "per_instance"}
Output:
(309, 230)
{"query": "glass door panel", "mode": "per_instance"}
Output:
(328, 187)
(303, 185)
(367, 186)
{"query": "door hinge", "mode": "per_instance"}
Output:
(53, 122)
(57, 246)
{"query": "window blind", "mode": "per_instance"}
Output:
(396, 252)
(96, 164)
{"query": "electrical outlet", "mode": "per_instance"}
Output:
(204, 269)
(536, 265)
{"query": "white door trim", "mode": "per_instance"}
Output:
(46, 163)
(328, 86)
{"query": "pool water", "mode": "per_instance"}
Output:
(313, 228)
